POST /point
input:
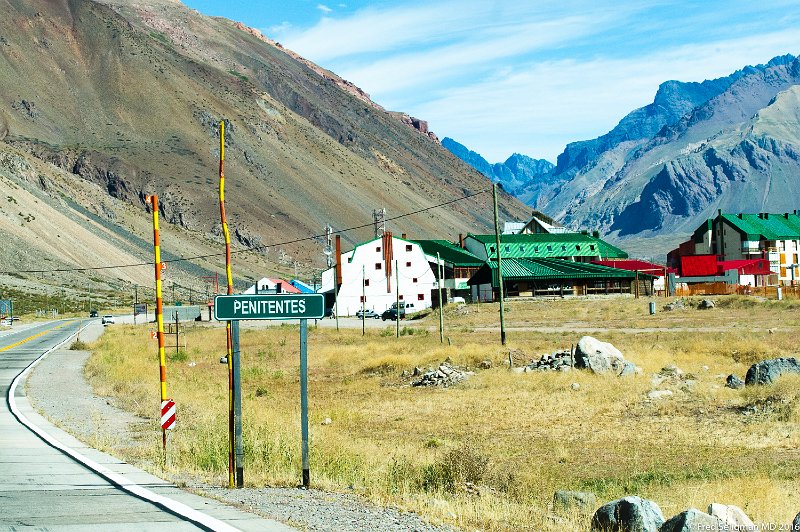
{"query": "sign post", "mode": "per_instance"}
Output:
(232, 308)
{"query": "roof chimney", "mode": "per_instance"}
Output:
(719, 212)
(403, 236)
(596, 234)
(461, 240)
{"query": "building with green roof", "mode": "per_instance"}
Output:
(556, 277)
(577, 247)
(458, 263)
(751, 236)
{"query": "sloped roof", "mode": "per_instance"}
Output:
(747, 266)
(450, 252)
(550, 245)
(271, 284)
(554, 269)
(636, 265)
(765, 226)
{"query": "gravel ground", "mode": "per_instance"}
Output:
(58, 389)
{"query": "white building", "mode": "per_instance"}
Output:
(383, 270)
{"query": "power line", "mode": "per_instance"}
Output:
(255, 248)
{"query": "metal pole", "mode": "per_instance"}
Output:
(441, 309)
(363, 301)
(304, 400)
(397, 301)
(153, 200)
(636, 290)
(177, 333)
(237, 393)
(336, 293)
(229, 275)
(136, 303)
(499, 268)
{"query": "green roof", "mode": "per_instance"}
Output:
(450, 252)
(556, 269)
(550, 245)
(765, 226)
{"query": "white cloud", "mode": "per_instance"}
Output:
(538, 109)
(324, 8)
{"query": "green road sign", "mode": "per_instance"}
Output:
(269, 307)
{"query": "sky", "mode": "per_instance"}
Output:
(505, 77)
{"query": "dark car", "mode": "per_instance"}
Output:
(329, 312)
(391, 314)
(92, 313)
(367, 314)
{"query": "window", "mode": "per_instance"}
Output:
(522, 249)
(578, 247)
(378, 249)
(491, 249)
(591, 246)
(549, 248)
(408, 264)
(536, 249)
(508, 248)
(362, 299)
(563, 247)
(401, 298)
(377, 265)
(366, 282)
(420, 297)
(408, 247)
(414, 280)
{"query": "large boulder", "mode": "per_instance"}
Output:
(796, 522)
(692, 520)
(733, 516)
(768, 371)
(600, 357)
(629, 514)
(570, 501)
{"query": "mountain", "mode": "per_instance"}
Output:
(517, 172)
(107, 101)
(729, 143)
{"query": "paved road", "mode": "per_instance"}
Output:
(42, 487)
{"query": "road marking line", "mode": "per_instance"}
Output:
(173, 506)
(12, 346)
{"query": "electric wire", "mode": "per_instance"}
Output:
(250, 249)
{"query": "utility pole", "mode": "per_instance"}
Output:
(499, 267)
(336, 294)
(363, 301)
(397, 301)
(136, 302)
(441, 308)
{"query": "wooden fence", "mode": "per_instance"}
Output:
(721, 289)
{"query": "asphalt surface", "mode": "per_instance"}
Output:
(50, 481)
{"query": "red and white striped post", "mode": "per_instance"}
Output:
(153, 202)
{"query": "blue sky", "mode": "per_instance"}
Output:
(522, 76)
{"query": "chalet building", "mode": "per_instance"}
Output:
(534, 277)
(272, 286)
(459, 266)
(539, 223)
(576, 247)
(748, 237)
(379, 272)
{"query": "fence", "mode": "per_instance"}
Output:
(722, 289)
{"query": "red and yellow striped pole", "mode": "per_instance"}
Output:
(229, 275)
(153, 201)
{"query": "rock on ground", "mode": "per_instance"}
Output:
(768, 371)
(733, 516)
(692, 520)
(582, 501)
(629, 514)
(796, 522)
(734, 382)
(600, 357)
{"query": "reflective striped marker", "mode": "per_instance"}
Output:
(168, 414)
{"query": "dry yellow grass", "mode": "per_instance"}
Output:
(519, 437)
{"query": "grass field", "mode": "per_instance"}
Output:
(516, 437)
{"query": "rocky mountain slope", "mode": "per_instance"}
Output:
(729, 143)
(514, 174)
(127, 96)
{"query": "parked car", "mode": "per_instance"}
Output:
(367, 314)
(108, 318)
(391, 314)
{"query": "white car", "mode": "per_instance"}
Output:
(108, 318)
